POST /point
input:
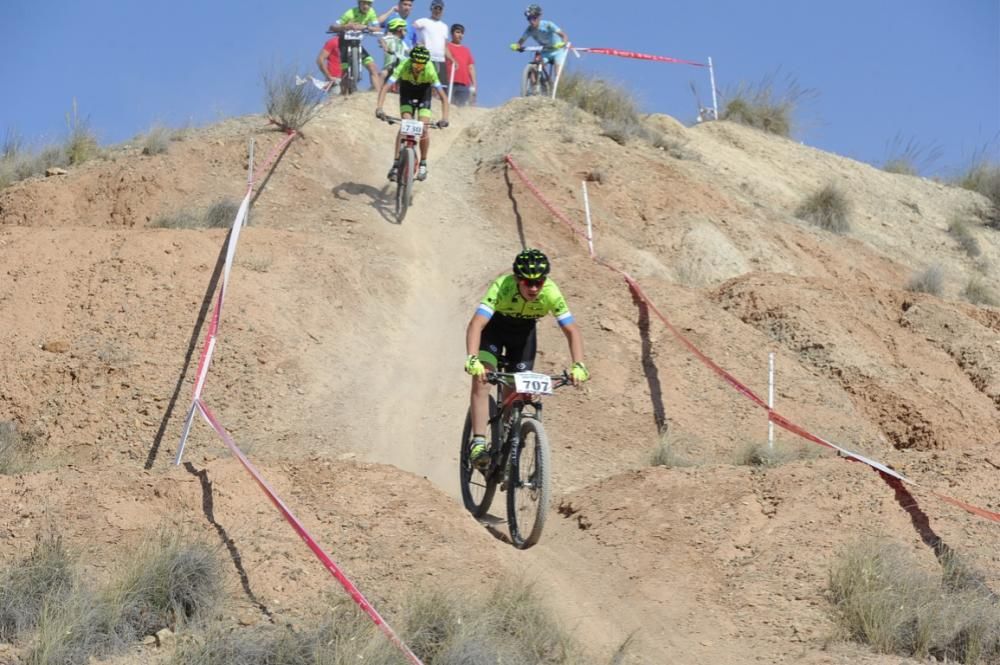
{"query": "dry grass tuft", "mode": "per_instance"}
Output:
(766, 105)
(828, 209)
(81, 143)
(664, 454)
(219, 215)
(762, 456)
(613, 105)
(45, 576)
(960, 231)
(15, 448)
(885, 598)
(983, 176)
(157, 140)
(978, 291)
(909, 157)
(929, 280)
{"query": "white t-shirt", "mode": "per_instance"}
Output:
(432, 34)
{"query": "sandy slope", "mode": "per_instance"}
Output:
(343, 337)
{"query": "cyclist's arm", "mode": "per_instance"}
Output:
(439, 89)
(563, 35)
(474, 333)
(575, 340)
(386, 84)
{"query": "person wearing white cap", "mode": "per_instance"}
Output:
(432, 32)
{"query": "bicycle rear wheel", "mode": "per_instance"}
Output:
(529, 490)
(477, 489)
(404, 182)
(528, 87)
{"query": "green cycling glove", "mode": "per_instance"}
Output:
(579, 372)
(473, 366)
(559, 45)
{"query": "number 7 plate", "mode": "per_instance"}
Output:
(532, 383)
(412, 127)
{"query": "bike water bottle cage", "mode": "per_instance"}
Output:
(531, 264)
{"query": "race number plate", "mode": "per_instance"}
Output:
(412, 127)
(354, 35)
(532, 383)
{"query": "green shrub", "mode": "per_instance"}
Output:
(46, 575)
(959, 230)
(979, 292)
(290, 106)
(929, 280)
(828, 209)
(765, 105)
(885, 598)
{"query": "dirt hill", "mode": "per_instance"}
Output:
(339, 370)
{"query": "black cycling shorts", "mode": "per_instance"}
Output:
(415, 96)
(507, 349)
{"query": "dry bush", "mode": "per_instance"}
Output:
(665, 455)
(763, 456)
(157, 140)
(766, 105)
(909, 157)
(929, 280)
(171, 581)
(46, 575)
(885, 598)
(612, 104)
(81, 143)
(15, 448)
(979, 292)
(219, 215)
(511, 625)
(983, 176)
(290, 106)
(18, 163)
(959, 230)
(828, 209)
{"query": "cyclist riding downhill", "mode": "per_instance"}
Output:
(417, 81)
(549, 35)
(504, 326)
(357, 19)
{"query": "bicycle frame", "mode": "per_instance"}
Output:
(510, 411)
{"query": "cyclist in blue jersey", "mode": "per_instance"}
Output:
(549, 35)
(504, 325)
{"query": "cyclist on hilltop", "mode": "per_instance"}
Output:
(504, 324)
(354, 19)
(416, 83)
(551, 38)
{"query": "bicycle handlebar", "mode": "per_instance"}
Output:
(392, 120)
(558, 380)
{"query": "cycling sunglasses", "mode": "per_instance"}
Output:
(536, 283)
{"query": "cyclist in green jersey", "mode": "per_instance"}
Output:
(356, 19)
(416, 82)
(504, 326)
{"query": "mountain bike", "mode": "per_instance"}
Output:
(351, 80)
(519, 455)
(410, 131)
(537, 76)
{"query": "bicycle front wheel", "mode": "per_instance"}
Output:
(404, 182)
(355, 69)
(477, 489)
(530, 489)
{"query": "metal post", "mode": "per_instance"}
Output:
(715, 99)
(770, 400)
(590, 230)
(188, 421)
(246, 220)
(555, 86)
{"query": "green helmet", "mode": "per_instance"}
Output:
(531, 264)
(397, 24)
(420, 54)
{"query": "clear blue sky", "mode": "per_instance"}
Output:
(926, 69)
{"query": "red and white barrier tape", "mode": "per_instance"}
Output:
(310, 542)
(884, 471)
(638, 56)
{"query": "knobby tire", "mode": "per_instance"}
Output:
(530, 488)
(404, 182)
(528, 89)
(477, 490)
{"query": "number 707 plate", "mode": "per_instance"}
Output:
(532, 383)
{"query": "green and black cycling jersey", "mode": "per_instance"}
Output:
(504, 305)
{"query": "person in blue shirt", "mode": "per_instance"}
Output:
(401, 10)
(549, 35)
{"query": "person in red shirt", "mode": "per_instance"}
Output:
(328, 61)
(464, 85)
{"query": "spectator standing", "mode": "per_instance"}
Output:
(400, 10)
(328, 62)
(432, 32)
(464, 83)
